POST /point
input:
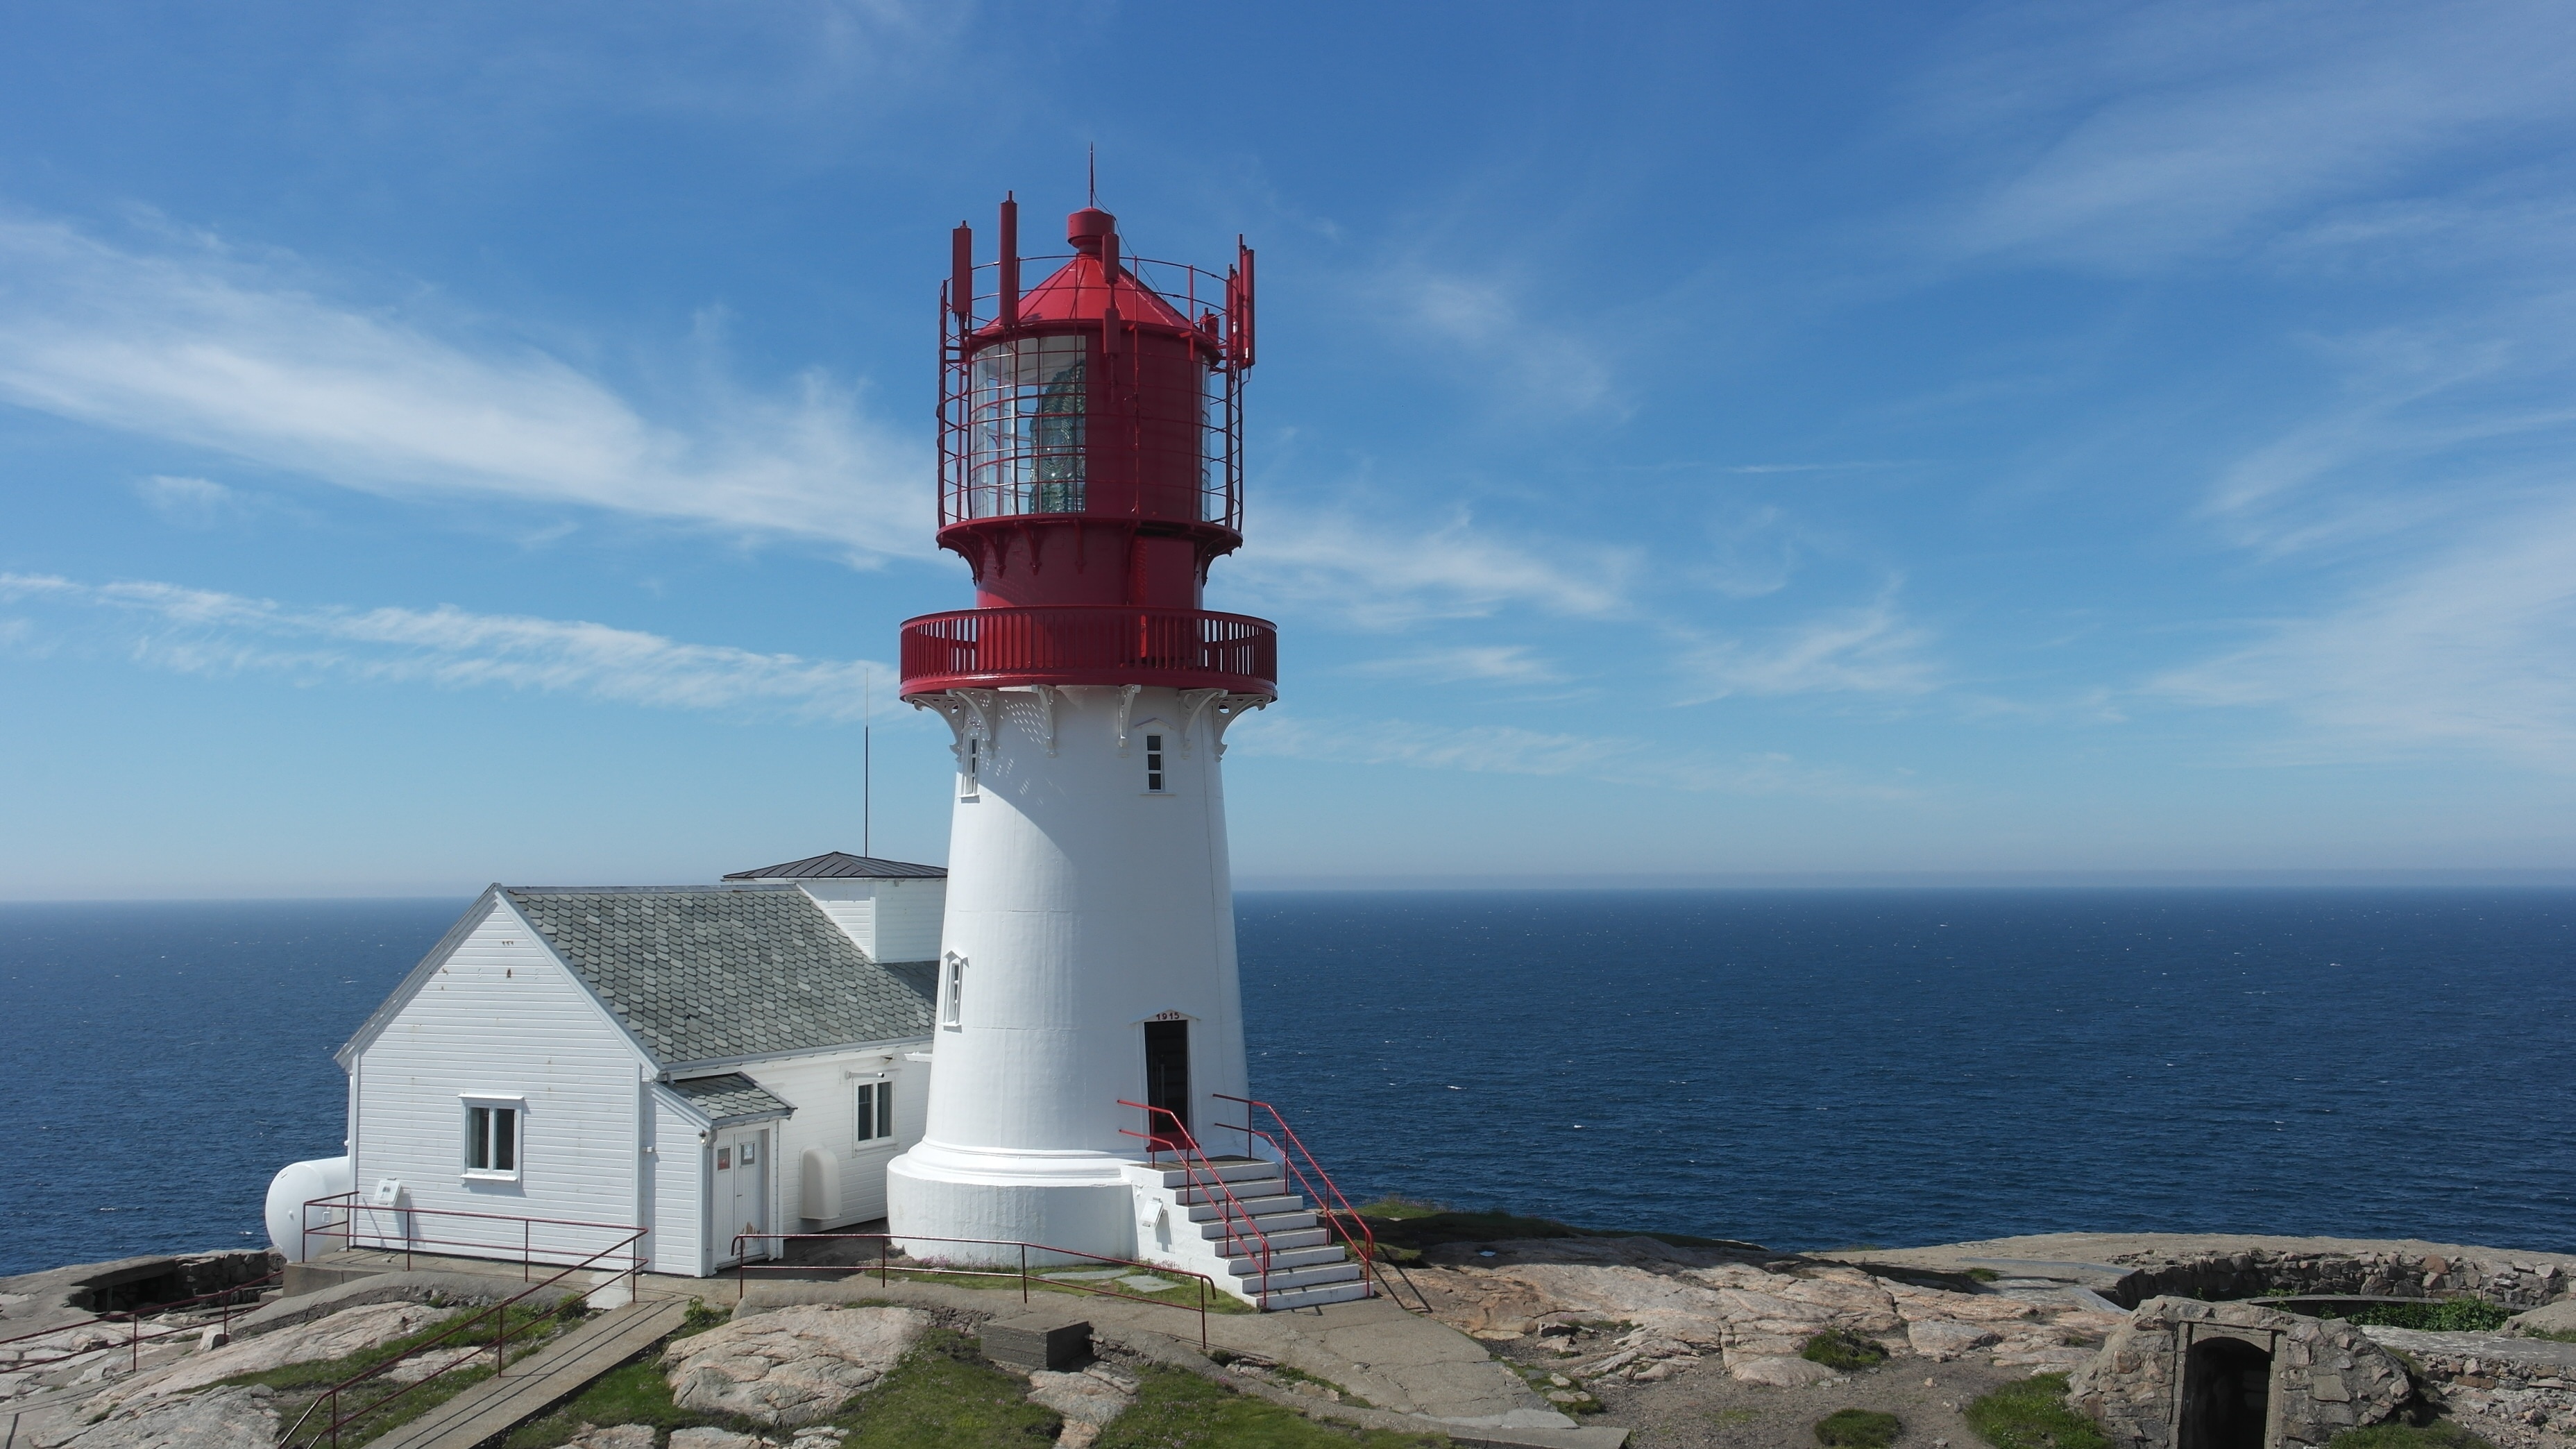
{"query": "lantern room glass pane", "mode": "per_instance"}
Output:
(1026, 421)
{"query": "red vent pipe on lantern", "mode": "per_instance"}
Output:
(1010, 262)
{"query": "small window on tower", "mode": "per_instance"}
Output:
(970, 779)
(875, 1115)
(952, 992)
(1154, 764)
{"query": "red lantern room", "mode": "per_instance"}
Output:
(1090, 470)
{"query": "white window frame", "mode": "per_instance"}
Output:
(952, 992)
(872, 1111)
(471, 1135)
(970, 767)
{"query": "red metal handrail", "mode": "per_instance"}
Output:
(500, 1330)
(1182, 1146)
(1330, 1201)
(885, 1266)
(1090, 644)
(529, 1254)
(135, 1337)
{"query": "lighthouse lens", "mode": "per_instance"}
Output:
(1027, 428)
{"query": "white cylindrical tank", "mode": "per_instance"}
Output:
(1089, 895)
(296, 1184)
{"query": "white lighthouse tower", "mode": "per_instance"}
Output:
(1088, 1013)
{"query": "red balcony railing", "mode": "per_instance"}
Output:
(1090, 644)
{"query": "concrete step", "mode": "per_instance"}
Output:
(1208, 1212)
(1270, 1227)
(1283, 1259)
(1280, 1239)
(1341, 1272)
(1317, 1296)
(1268, 1190)
(1226, 1169)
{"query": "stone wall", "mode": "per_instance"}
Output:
(2326, 1377)
(2386, 1274)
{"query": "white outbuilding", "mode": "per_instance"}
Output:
(709, 1064)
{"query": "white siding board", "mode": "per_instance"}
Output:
(852, 905)
(501, 1015)
(908, 919)
(679, 1190)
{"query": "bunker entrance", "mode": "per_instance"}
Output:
(2227, 1395)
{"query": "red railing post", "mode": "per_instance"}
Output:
(1024, 1272)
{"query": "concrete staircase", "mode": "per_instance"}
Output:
(1196, 1228)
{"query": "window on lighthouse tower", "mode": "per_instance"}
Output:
(1154, 764)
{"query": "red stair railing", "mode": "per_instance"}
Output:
(1338, 1214)
(1184, 1147)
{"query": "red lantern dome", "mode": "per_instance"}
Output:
(1090, 470)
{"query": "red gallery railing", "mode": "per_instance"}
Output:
(1090, 644)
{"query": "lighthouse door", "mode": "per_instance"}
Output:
(1167, 1077)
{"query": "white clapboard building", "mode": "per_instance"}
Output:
(707, 1063)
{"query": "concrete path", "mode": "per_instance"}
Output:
(538, 1382)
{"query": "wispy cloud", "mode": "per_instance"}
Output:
(1522, 361)
(1381, 573)
(1511, 750)
(2431, 420)
(194, 502)
(1869, 649)
(1496, 663)
(200, 345)
(2160, 131)
(2471, 648)
(199, 631)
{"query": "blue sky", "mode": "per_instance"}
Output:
(1691, 442)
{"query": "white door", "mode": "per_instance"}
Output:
(740, 1201)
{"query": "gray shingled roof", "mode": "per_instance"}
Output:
(715, 973)
(841, 865)
(730, 1097)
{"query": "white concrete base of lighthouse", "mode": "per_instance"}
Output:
(1076, 1200)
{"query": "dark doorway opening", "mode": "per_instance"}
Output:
(1167, 1079)
(2226, 1395)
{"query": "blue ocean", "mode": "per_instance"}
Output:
(1805, 1069)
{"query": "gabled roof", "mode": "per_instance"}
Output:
(729, 1098)
(726, 973)
(841, 865)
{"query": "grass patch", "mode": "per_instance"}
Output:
(1836, 1349)
(1857, 1429)
(2032, 1414)
(2554, 1335)
(1179, 1410)
(1984, 1275)
(2407, 1436)
(1730, 1418)
(944, 1395)
(2450, 1315)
